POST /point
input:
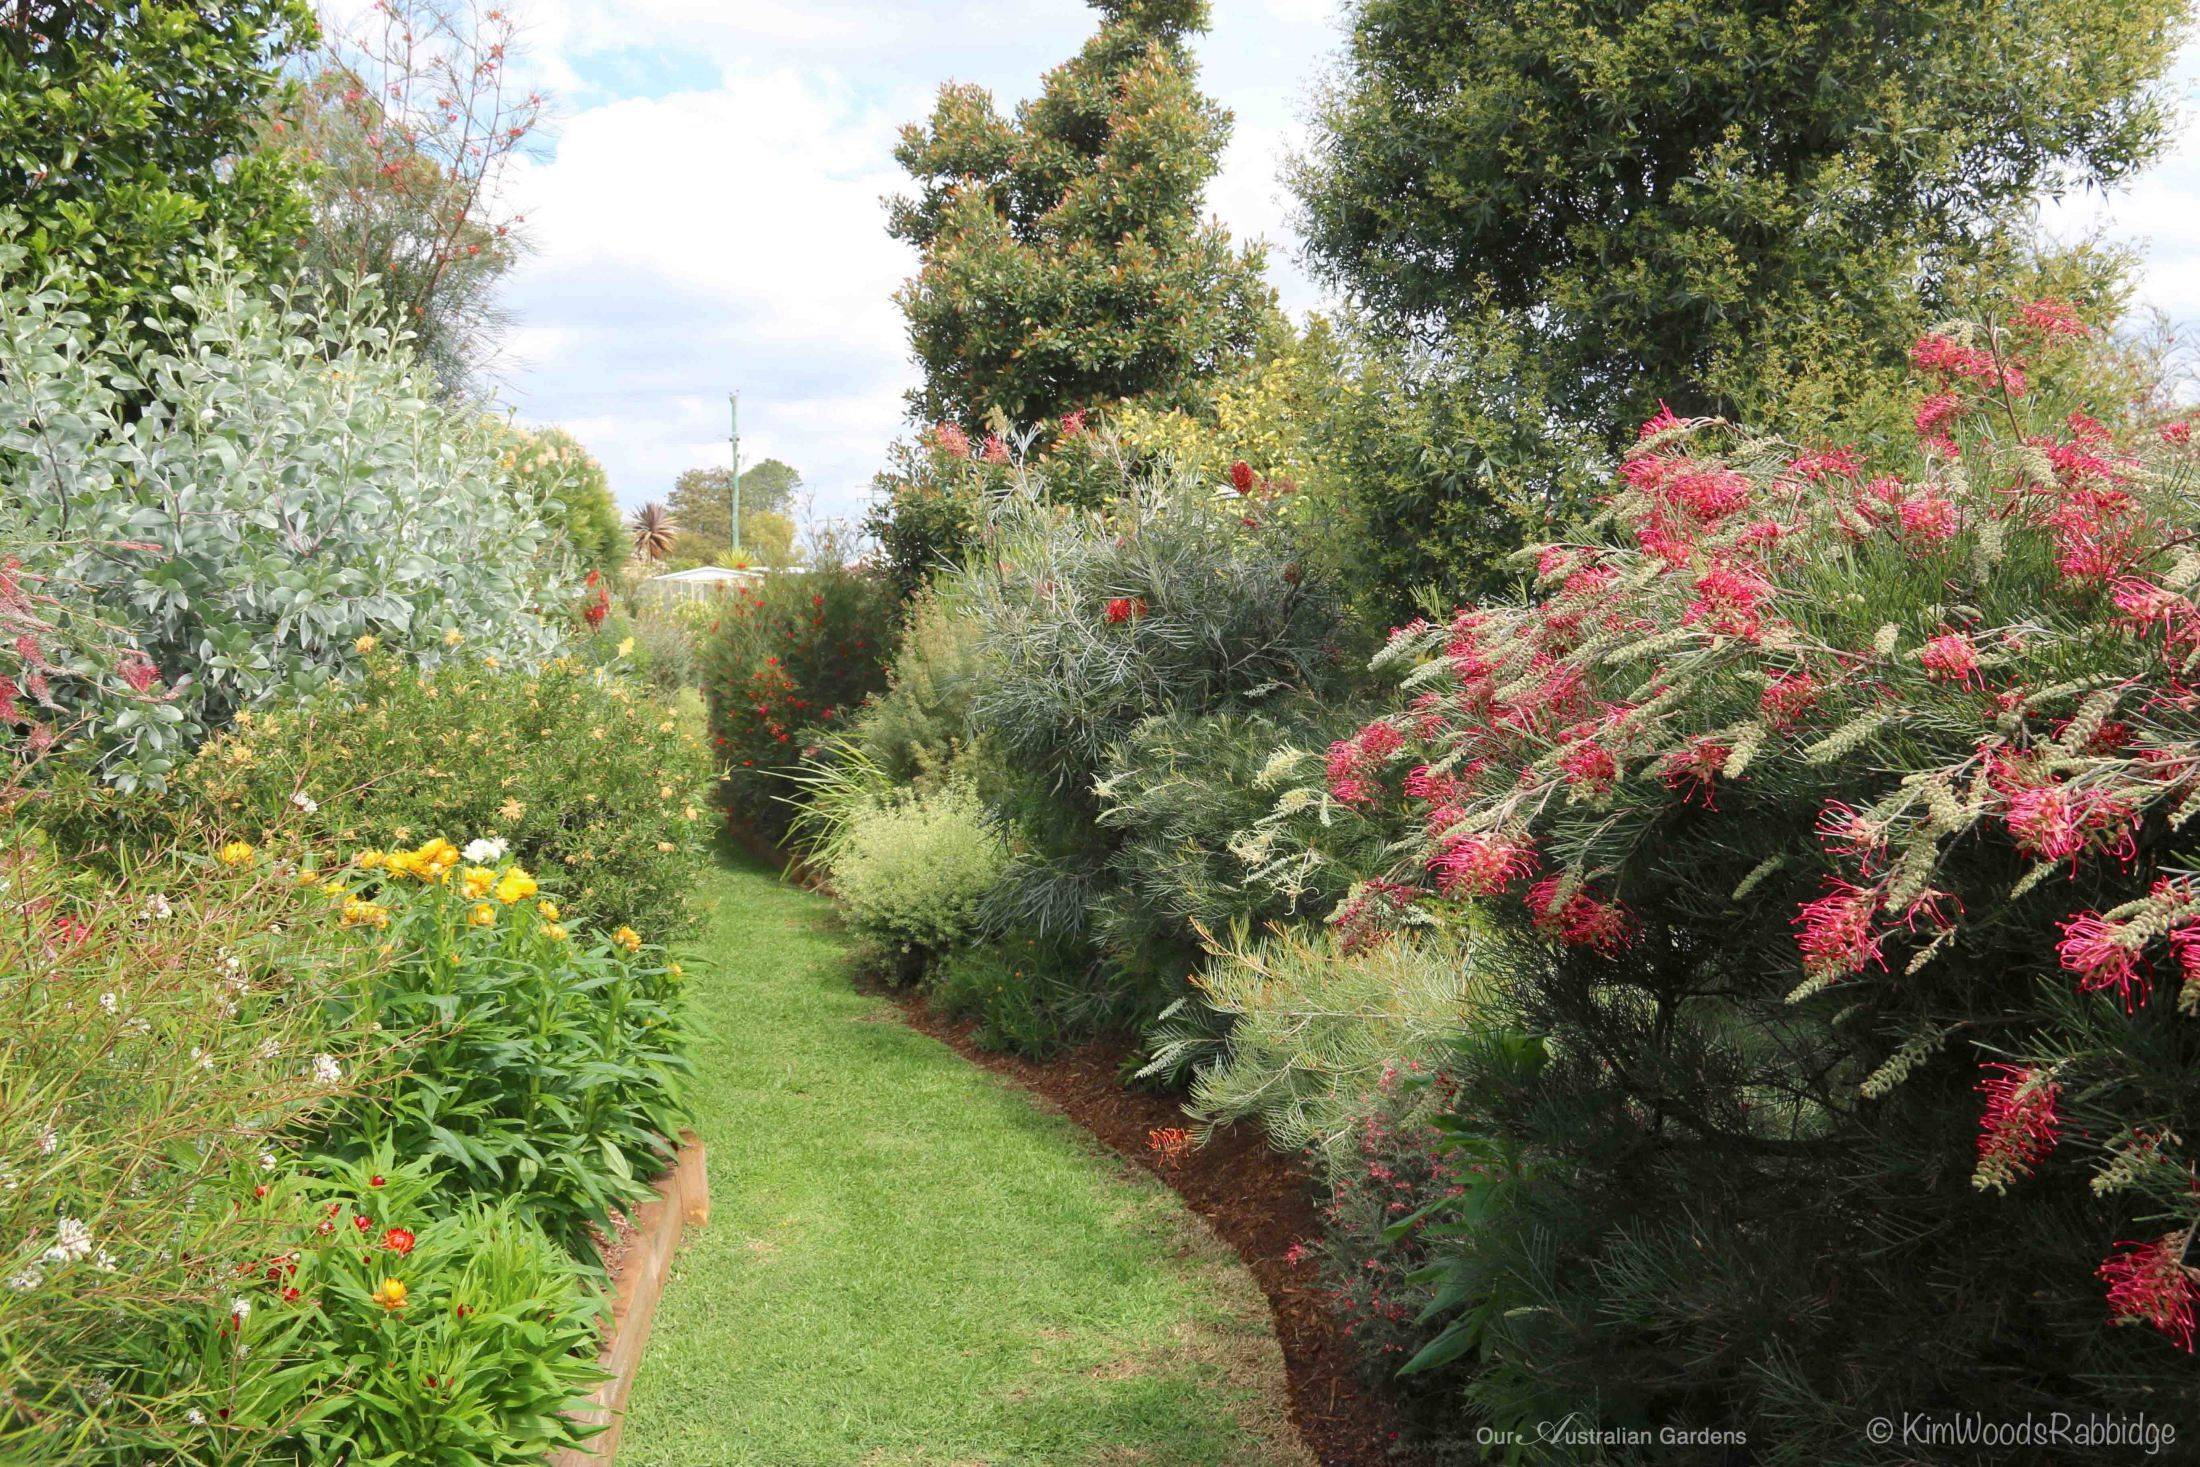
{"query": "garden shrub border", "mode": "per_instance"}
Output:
(638, 1283)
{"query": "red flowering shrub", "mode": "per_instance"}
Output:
(1832, 822)
(785, 664)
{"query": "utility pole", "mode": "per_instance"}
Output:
(733, 399)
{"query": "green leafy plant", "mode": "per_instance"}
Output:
(531, 1063)
(432, 1330)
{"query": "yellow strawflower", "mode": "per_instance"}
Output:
(553, 931)
(369, 860)
(515, 885)
(236, 853)
(483, 915)
(627, 938)
(477, 882)
(359, 913)
(364, 645)
(390, 1294)
(548, 908)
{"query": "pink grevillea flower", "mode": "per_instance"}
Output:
(1589, 766)
(1437, 787)
(1694, 771)
(1582, 919)
(1121, 609)
(1844, 830)
(1950, 358)
(2184, 941)
(1241, 477)
(1932, 418)
(2019, 1124)
(2058, 822)
(1928, 518)
(1828, 463)
(948, 438)
(2093, 948)
(10, 710)
(1372, 914)
(1073, 423)
(1950, 657)
(1727, 602)
(2149, 1284)
(1482, 865)
(1378, 741)
(2178, 433)
(996, 451)
(1660, 422)
(2052, 318)
(1787, 698)
(1834, 933)
(1709, 492)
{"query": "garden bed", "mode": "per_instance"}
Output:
(640, 1265)
(1257, 1200)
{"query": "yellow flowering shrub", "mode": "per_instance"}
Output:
(570, 770)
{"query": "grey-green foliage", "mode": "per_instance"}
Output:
(243, 498)
(1313, 1030)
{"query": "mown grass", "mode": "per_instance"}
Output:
(909, 1262)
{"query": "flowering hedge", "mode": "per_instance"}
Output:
(1835, 813)
(784, 666)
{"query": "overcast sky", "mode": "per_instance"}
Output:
(707, 213)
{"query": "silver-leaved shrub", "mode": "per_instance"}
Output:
(250, 500)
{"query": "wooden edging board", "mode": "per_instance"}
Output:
(682, 1201)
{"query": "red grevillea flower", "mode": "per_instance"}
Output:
(1073, 423)
(1933, 416)
(1950, 657)
(1708, 493)
(1949, 358)
(1582, 919)
(1727, 602)
(2092, 947)
(2149, 1284)
(1928, 518)
(1843, 829)
(398, 1241)
(1121, 609)
(948, 438)
(1834, 933)
(1482, 865)
(1787, 698)
(138, 671)
(996, 451)
(1693, 772)
(1589, 766)
(1241, 477)
(2018, 1126)
(1169, 1144)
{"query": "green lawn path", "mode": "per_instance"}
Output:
(908, 1261)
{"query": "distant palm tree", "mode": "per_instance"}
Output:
(653, 530)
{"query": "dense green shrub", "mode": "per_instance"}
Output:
(128, 138)
(253, 504)
(1825, 824)
(550, 466)
(577, 772)
(1021, 995)
(785, 665)
(911, 869)
(533, 1062)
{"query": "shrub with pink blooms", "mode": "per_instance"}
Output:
(1827, 811)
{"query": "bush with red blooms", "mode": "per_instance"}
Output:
(784, 665)
(1828, 818)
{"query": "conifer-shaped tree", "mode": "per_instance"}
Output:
(1065, 258)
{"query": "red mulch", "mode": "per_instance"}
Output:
(1258, 1201)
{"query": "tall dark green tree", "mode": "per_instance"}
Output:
(128, 133)
(1582, 208)
(1065, 258)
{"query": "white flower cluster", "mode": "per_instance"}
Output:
(483, 850)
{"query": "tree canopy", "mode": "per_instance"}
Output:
(1065, 258)
(128, 137)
